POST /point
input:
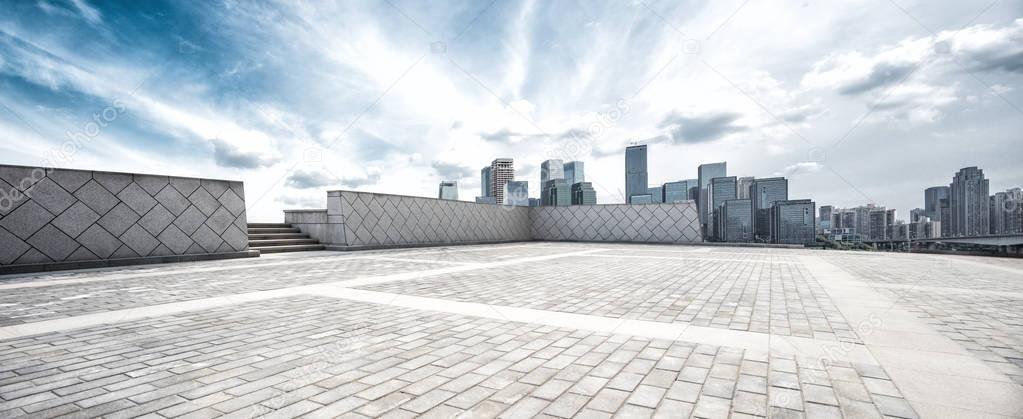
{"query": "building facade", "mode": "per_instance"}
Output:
(583, 194)
(932, 201)
(656, 194)
(673, 192)
(721, 189)
(969, 202)
(764, 193)
(641, 199)
(635, 171)
(792, 222)
(575, 172)
(502, 171)
(551, 169)
(448, 190)
(556, 193)
(486, 182)
(516, 193)
(737, 216)
(825, 214)
(742, 186)
(704, 173)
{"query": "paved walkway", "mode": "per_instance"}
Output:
(521, 330)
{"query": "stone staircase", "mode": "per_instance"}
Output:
(280, 238)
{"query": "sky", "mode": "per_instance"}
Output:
(855, 102)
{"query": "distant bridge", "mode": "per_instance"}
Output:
(990, 240)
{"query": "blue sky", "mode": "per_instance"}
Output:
(862, 101)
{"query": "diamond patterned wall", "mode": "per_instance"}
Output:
(657, 223)
(385, 220)
(62, 215)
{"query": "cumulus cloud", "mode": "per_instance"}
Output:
(371, 178)
(229, 155)
(309, 178)
(701, 128)
(452, 171)
(800, 168)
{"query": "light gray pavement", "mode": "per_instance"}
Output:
(521, 330)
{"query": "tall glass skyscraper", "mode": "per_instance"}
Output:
(486, 183)
(765, 192)
(556, 193)
(706, 172)
(792, 222)
(932, 201)
(583, 194)
(742, 187)
(448, 190)
(575, 172)
(675, 191)
(721, 189)
(656, 194)
(737, 216)
(635, 172)
(516, 193)
(969, 202)
(501, 171)
(551, 169)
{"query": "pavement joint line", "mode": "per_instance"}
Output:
(162, 272)
(119, 316)
(950, 290)
(695, 259)
(439, 262)
(917, 383)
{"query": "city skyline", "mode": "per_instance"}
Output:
(189, 102)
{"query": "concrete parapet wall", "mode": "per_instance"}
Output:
(653, 223)
(59, 217)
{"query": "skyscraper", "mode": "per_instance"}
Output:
(583, 194)
(742, 187)
(656, 194)
(516, 193)
(448, 190)
(825, 217)
(706, 172)
(932, 201)
(969, 201)
(737, 216)
(764, 193)
(556, 193)
(502, 170)
(635, 172)
(551, 169)
(673, 192)
(486, 183)
(1007, 212)
(792, 222)
(575, 172)
(721, 189)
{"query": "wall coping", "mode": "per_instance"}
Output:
(119, 173)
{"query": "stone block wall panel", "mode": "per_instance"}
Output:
(52, 216)
(655, 223)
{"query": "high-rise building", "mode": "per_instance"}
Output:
(635, 172)
(945, 213)
(918, 214)
(486, 182)
(502, 171)
(877, 222)
(721, 189)
(764, 193)
(448, 190)
(641, 199)
(694, 192)
(486, 200)
(1007, 212)
(742, 187)
(556, 193)
(673, 192)
(583, 194)
(792, 222)
(932, 201)
(706, 172)
(516, 193)
(737, 216)
(551, 169)
(534, 202)
(969, 201)
(656, 194)
(575, 172)
(826, 212)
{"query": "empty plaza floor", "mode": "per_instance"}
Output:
(533, 329)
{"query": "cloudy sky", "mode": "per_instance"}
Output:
(854, 101)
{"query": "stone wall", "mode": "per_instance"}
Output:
(654, 223)
(358, 220)
(56, 217)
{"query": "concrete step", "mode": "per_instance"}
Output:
(274, 236)
(295, 248)
(272, 230)
(281, 242)
(269, 225)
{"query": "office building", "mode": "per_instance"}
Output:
(673, 192)
(516, 193)
(635, 172)
(534, 202)
(448, 190)
(945, 213)
(737, 220)
(706, 172)
(694, 192)
(792, 222)
(551, 169)
(486, 200)
(656, 194)
(721, 189)
(583, 194)
(932, 201)
(826, 212)
(556, 193)
(575, 172)
(742, 187)
(917, 214)
(641, 199)
(877, 224)
(502, 171)
(969, 202)
(486, 182)
(1007, 212)
(764, 193)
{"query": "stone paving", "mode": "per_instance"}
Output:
(767, 333)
